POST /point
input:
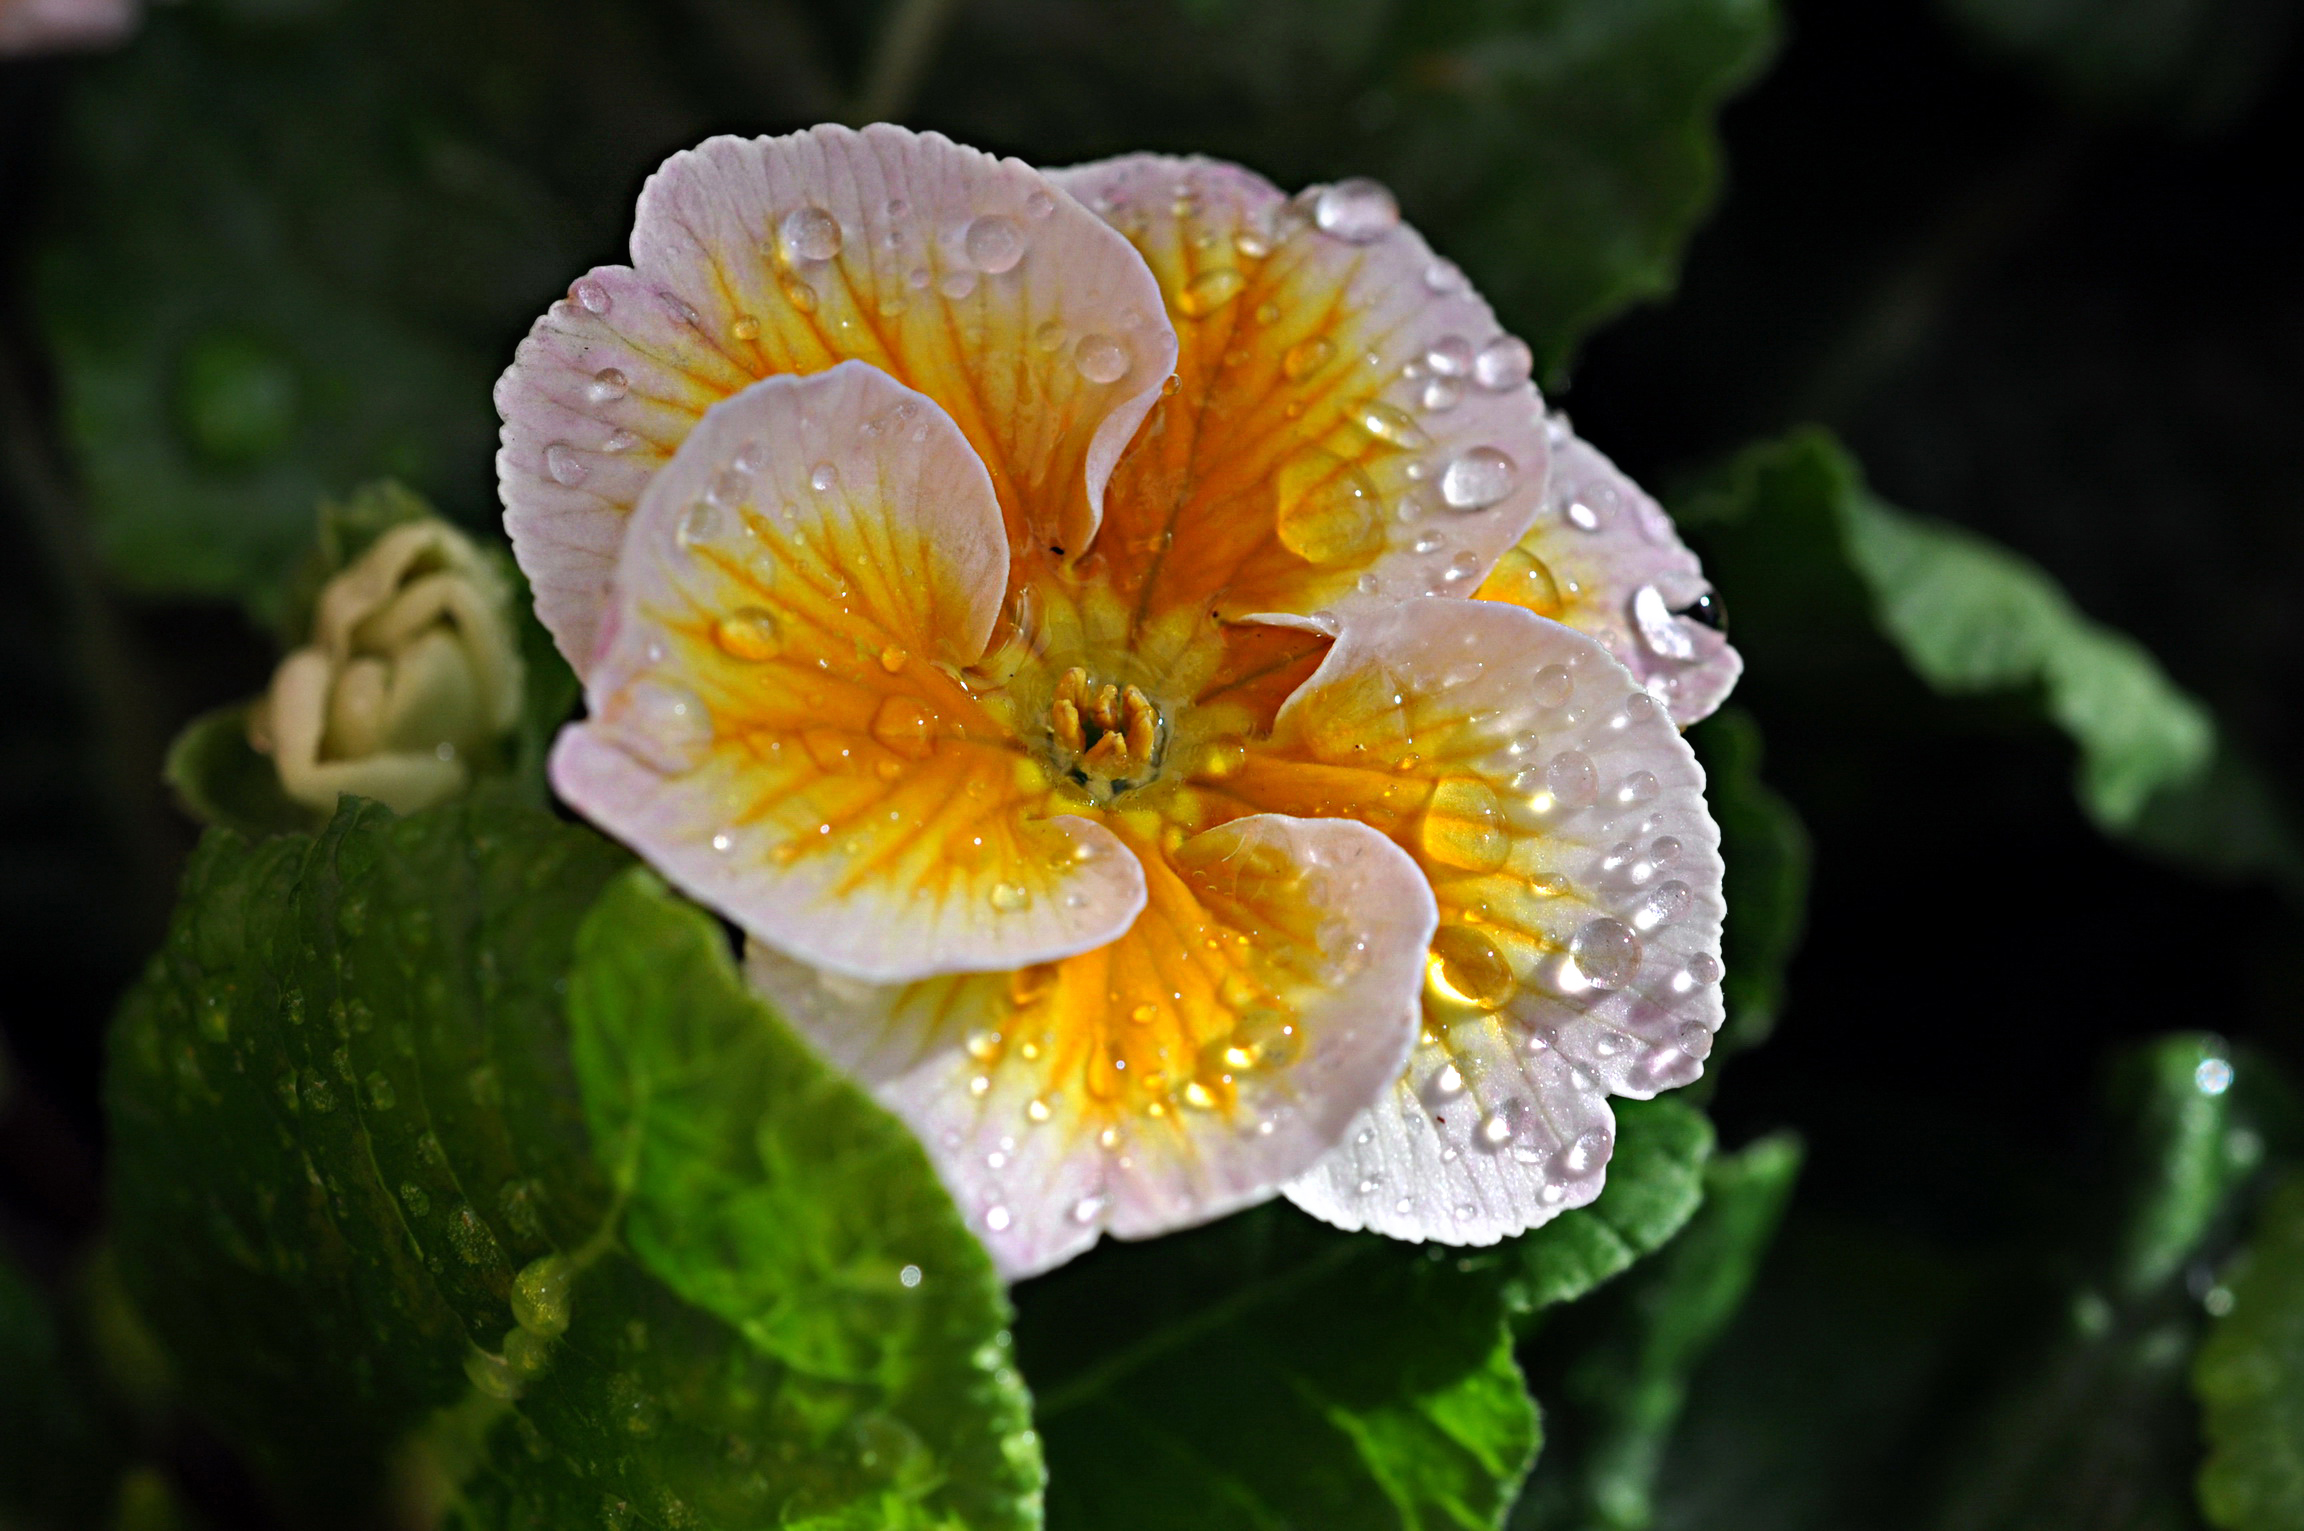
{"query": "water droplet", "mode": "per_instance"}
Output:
(540, 1295)
(1328, 509)
(1036, 1110)
(744, 327)
(1659, 628)
(491, 1374)
(700, 523)
(1704, 968)
(665, 726)
(1664, 904)
(1449, 356)
(1465, 968)
(730, 489)
(1087, 1209)
(2213, 1076)
(1573, 779)
(1100, 359)
(904, 726)
(607, 386)
(909, 1276)
(1493, 1133)
(998, 1219)
(1306, 357)
(1707, 610)
(1477, 480)
(1440, 395)
(1358, 210)
(619, 442)
(1388, 423)
(1463, 826)
(1210, 291)
(1039, 204)
(993, 244)
(957, 284)
(1606, 953)
(1637, 788)
(593, 296)
(749, 633)
(1504, 362)
(1443, 276)
(566, 465)
(1008, 897)
(1585, 1157)
(809, 234)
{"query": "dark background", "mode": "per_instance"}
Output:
(2071, 323)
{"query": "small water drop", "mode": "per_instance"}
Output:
(1659, 628)
(1573, 779)
(998, 1219)
(993, 244)
(1552, 686)
(1039, 204)
(1008, 897)
(1357, 210)
(957, 283)
(607, 386)
(593, 296)
(1449, 356)
(809, 234)
(566, 465)
(823, 478)
(541, 1293)
(1477, 480)
(1210, 291)
(749, 633)
(1504, 362)
(1306, 357)
(909, 1276)
(1388, 423)
(1665, 903)
(1087, 1209)
(1100, 359)
(1606, 952)
(1637, 788)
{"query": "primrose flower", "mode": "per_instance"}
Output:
(43, 26)
(411, 672)
(1038, 609)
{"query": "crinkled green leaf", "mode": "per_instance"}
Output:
(358, 1201)
(2250, 1380)
(1268, 1371)
(1655, 1184)
(1561, 150)
(1622, 1393)
(766, 1189)
(1768, 854)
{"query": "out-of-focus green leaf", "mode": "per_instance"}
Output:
(60, 1455)
(766, 1189)
(359, 1203)
(2200, 63)
(1655, 1184)
(219, 778)
(1768, 854)
(1268, 1371)
(2250, 1380)
(2182, 1166)
(1561, 150)
(1791, 524)
(1622, 1393)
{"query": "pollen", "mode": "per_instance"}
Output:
(1108, 738)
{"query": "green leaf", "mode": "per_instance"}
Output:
(765, 1188)
(1794, 527)
(1268, 1371)
(1655, 1184)
(219, 778)
(1561, 151)
(2250, 1380)
(1768, 855)
(1622, 1393)
(358, 1201)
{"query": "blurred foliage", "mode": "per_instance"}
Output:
(2250, 1378)
(2196, 64)
(61, 1454)
(1768, 857)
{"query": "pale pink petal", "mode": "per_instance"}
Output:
(1349, 425)
(968, 278)
(1604, 558)
(44, 26)
(1017, 1082)
(776, 720)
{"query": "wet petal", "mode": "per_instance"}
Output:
(1560, 818)
(1263, 998)
(776, 722)
(966, 277)
(1349, 424)
(1604, 558)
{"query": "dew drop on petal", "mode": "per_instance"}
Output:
(1357, 210)
(1210, 291)
(699, 523)
(1328, 509)
(810, 234)
(607, 386)
(566, 465)
(909, 1275)
(1573, 779)
(1504, 362)
(998, 1219)
(1039, 204)
(1465, 968)
(1306, 357)
(665, 726)
(993, 244)
(1008, 897)
(1087, 1209)
(1637, 788)
(1449, 356)
(1667, 902)
(749, 633)
(1388, 423)
(1477, 480)
(1100, 359)
(593, 296)
(1552, 686)
(1606, 952)
(1659, 628)
(823, 478)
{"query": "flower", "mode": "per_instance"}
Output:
(42, 26)
(1037, 609)
(411, 672)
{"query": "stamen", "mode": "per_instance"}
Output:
(1107, 738)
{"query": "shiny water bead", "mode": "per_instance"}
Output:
(1606, 952)
(1306, 357)
(1009, 897)
(1440, 395)
(699, 524)
(540, 1295)
(1387, 423)
(607, 386)
(1552, 685)
(956, 284)
(1328, 511)
(1100, 359)
(1210, 291)
(1477, 479)
(1667, 903)
(1659, 628)
(1357, 210)
(1465, 968)
(744, 327)
(1443, 276)
(797, 293)
(1502, 363)
(1464, 826)
(1637, 788)
(749, 633)
(566, 465)
(592, 296)
(1585, 1157)
(665, 726)
(1449, 356)
(993, 244)
(809, 234)
(823, 478)
(1573, 779)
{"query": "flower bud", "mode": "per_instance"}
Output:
(412, 671)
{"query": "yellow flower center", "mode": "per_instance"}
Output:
(1105, 738)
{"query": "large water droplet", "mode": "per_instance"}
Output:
(810, 234)
(749, 633)
(993, 243)
(1328, 509)
(1606, 953)
(566, 465)
(1359, 210)
(1100, 359)
(1504, 362)
(1465, 968)
(1477, 480)
(1552, 686)
(1659, 628)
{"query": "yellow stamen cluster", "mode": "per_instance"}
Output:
(1105, 736)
